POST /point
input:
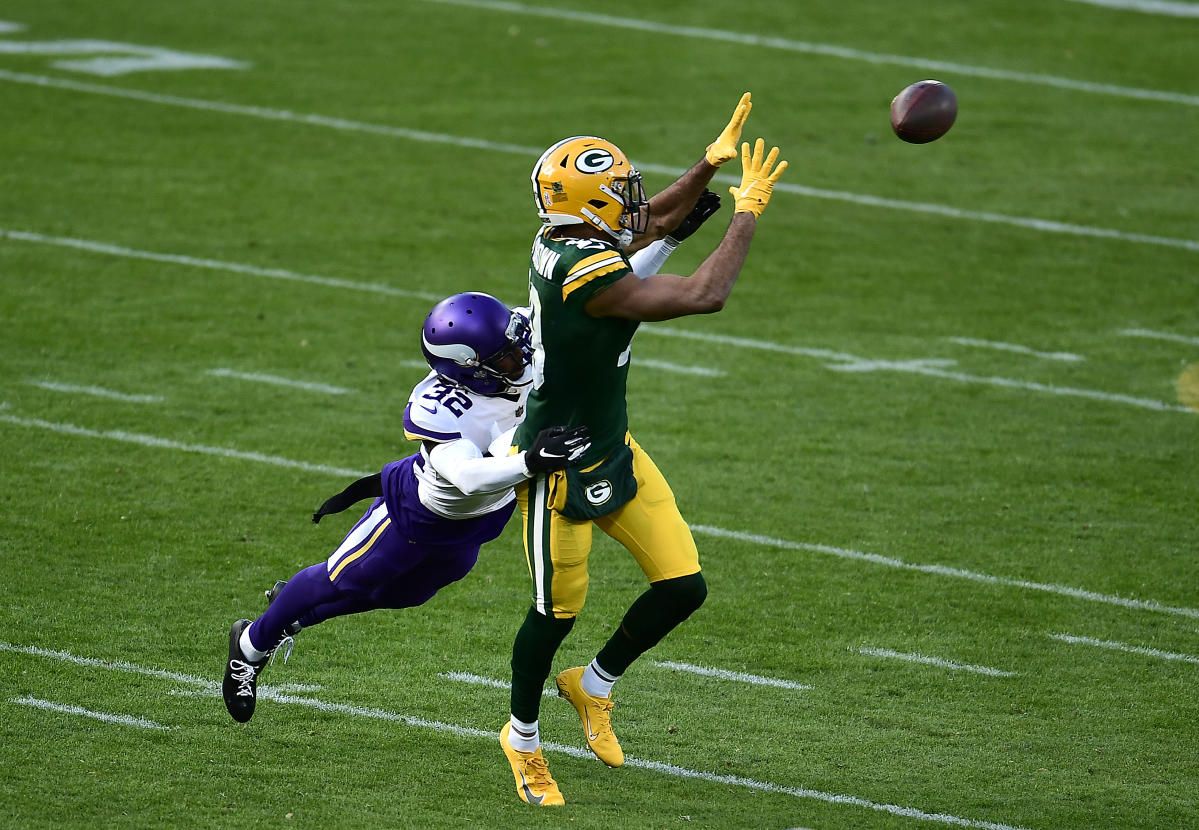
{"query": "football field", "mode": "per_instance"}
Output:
(940, 451)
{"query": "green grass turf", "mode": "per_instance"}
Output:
(795, 471)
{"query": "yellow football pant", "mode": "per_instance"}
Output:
(649, 526)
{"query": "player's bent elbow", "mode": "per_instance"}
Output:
(708, 302)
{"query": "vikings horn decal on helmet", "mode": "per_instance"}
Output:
(475, 341)
(587, 180)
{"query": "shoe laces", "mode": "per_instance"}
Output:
(603, 711)
(537, 771)
(244, 673)
(288, 642)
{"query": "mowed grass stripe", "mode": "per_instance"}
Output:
(827, 50)
(841, 361)
(209, 688)
(444, 139)
(703, 530)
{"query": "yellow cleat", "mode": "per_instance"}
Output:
(596, 714)
(534, 784)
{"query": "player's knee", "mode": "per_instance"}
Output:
(685, 593)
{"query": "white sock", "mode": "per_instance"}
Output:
(597, 682)
(247, 648)
(524, 737)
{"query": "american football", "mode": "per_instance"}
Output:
(923, 112)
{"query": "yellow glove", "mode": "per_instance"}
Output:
(757, 180)
(724, 148)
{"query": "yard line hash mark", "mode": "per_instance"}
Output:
(1160, 335)
(349, 125)
(1109, 644)
(279, 381)
(707, 530)
(1164, 7)
(479, 680)
(701, 371)
(211, 689)
(1015, 348)
(827, 50)
(724, 674)
(124, 720)
(94, 391)
(844, 362)
(934, 661)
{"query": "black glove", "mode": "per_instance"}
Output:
(556, 448)
(707, 204)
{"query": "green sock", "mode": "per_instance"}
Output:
(532, 656)
(650, 618)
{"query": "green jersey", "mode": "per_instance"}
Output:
(580, 362)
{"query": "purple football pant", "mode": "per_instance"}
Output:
(374, 567)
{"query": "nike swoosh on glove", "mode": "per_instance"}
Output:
(556, 448)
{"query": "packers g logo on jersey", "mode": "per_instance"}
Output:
(599, 492)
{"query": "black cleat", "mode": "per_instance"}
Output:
(240, 686)
(293, 628)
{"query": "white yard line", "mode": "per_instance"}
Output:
(124, 720)
(922, 368)
(266, 693)
(844, 362)
(851, 363)
(824, 49)
(212, 264)
(934, 661)
(1148, 652)
(945, 570)
(94, 391)
(1067, 357)
(1160, 335)
(169, 444)
(1163, 7)
(705, 530)
(444, 139)
(280, 381)
(724, 674)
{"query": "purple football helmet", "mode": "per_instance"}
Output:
(475, 341)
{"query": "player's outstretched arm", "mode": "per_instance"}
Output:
(463, 464)
(667, 296)
(668, 208)
(650, 259)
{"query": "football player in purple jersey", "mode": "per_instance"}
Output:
(431, 511)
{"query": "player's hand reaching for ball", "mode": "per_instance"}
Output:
(724, 148)
(757, 179)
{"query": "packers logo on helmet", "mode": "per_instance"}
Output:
(587, 180)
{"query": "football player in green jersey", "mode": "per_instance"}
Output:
(587, 300)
